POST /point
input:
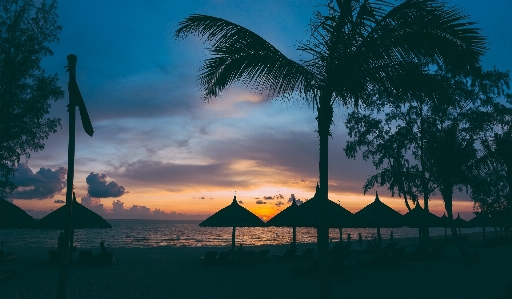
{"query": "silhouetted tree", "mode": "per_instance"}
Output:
(356, 48)
(425, 142)
(27, 27)
(491, 189)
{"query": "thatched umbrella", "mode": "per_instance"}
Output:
(377, 214)
(483, 221)
(461, 223)
(233, 216)
(12, 216)
(83, 218)
(289, 217)
(338, 216)
(419, 217)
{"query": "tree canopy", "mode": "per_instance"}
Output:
(27, 28)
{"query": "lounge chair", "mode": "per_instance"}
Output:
(85, 257)
(261, 257)
(55, 256)
(307, 254)
(6, 256)
(396, 256)
(312, 268)
(224, 258)
(209, 259)
(288, 255)
(105, 258)
(377, 260)
(6, 274)
(245, 257)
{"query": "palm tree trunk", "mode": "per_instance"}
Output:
(448, 199)
(324, 118)
(424, 183)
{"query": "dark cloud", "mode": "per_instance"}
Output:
(279, 203)
(240, 202)
(59, 201)
(260, 202)
(181, 176)
(98, 186)
(43, 184)
(267, 197)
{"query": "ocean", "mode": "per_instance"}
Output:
(159, 233)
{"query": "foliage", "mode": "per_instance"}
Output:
(358, 50)
(27, 27)
(428, 140)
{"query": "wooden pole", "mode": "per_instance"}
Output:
(63, 272)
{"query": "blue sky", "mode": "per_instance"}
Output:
(155, 138)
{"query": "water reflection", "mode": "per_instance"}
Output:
(156, 233)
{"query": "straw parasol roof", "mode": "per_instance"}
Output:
(339, 217)
(289, 217)
(419, 217)
(12, 216)
(378, 214)
(461, 223)
(233, 216)
(83, 218)
(482, 220)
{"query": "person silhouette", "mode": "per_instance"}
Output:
(102, 246)
(349, 237)
(391, 237)
(360, 241)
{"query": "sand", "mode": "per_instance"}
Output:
(175, 272)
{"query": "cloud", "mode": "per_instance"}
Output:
(94, 204)
(261, 202)
(240, 202)
(297, 201)
(45, 183)
(98, 186)
(267, 197)
(279, 203)
(59, 201)
(118, 211)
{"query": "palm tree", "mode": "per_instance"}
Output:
(358, 49)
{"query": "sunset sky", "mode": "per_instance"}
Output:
(159, 152)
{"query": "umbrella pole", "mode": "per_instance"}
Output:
(378, 236)
(294, 239)
(233, 243)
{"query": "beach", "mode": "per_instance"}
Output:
(176, 272)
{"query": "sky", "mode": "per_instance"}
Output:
(159, 152)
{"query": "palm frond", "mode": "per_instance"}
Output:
(240, 55)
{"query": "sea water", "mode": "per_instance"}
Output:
(156, 233)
